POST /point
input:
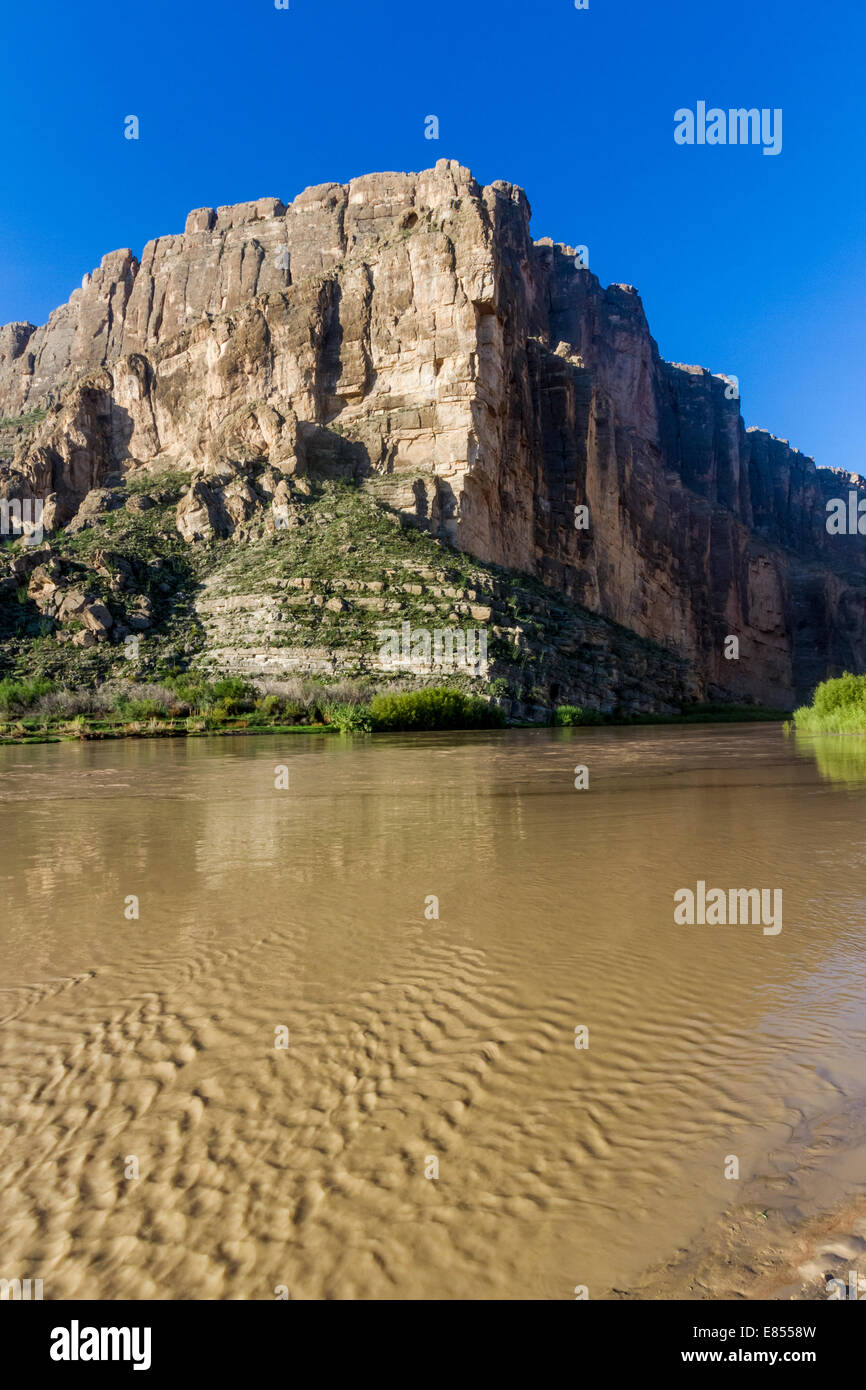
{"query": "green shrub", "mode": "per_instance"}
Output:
(194, 692)
(434, 709)
(232, 695)
(349, 718)
(228, 708)
(843, 693)
(140, 709)
(16, 696)
(838, 707)
(135, 700)
(571, 715)
(234, 690)
(278, 709)
(269, 708)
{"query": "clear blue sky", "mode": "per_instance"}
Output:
(746, 263)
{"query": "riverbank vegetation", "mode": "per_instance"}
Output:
(36, 710)
(838, 707)
(424, 710)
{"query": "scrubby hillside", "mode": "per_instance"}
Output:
(119, 594)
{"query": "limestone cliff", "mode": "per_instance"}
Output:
(406, 332)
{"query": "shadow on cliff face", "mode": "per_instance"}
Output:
(435, 507)
(76, 450)
(331, 456)
(330, 367)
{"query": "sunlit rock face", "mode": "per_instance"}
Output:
(404, 330)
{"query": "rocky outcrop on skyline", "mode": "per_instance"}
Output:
(405, 331)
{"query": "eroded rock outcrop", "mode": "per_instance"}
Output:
(407, 332)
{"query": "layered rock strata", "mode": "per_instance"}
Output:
(406, 330)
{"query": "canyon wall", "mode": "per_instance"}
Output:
(406, 331)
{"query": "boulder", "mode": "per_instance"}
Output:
(96, 503)
(97, 618)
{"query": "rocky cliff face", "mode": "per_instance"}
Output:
(406, 332)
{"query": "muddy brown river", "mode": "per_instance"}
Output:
(422, 1023)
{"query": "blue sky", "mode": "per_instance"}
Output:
(746, 263)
